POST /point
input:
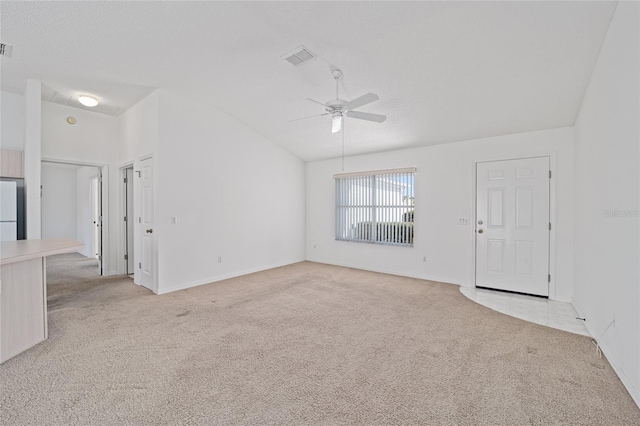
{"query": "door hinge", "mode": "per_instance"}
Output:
(549, 226)
(126, 257)
(125, 180)
(125, 218)
(100, 257)
(549, 174)
(139, 265)
(139, 220)
(549, 278)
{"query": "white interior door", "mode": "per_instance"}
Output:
(129, 235)
(512, 225)
(96, 218)
(145, 264)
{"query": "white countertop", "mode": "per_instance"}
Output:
(21, 250)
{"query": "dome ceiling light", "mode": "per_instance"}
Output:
(88, 101)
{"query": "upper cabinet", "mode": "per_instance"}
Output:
(11, 164)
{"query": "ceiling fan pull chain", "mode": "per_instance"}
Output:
(342, 146)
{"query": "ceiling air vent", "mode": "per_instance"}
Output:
(299, 56)
(5, 49)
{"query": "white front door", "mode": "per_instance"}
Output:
(512, 225)
(145, 264)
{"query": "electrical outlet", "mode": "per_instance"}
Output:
(424, 258)
(219, 259)
(174, 220)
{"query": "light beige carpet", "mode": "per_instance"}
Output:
(303, 344)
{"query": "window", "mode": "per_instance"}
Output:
(375, 207)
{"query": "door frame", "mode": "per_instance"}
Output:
(122, 245)
(552, 212)
(103, 170)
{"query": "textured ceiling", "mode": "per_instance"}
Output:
(444, 71)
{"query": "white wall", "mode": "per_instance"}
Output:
(607, 279)
(444, 192)
(32, 156)
(94, 139)
(11, 121)
(138, 129)
(236, 195)
(59, 189)
(84, 223)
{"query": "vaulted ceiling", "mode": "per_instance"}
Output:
(444, 71)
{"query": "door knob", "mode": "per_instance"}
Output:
(480, 231)
(480, 222)
(149, 231)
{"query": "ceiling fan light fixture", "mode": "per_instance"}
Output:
(88, 101)
(336, 123)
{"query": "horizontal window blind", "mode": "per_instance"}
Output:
(375, 207)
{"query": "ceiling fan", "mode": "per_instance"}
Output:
(339, 108)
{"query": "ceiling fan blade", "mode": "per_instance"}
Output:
(311, 116)
(366, 116)
(313, 100)
(362, 100)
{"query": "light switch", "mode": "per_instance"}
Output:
(174, 220)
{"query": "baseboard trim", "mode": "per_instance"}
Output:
(227, 276)
(628, 384)
(278, 265)
(387, 271)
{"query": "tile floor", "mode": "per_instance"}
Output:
(541, 311)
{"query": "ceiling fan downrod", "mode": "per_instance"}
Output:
(337, 75)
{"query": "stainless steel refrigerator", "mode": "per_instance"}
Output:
(12, 225)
